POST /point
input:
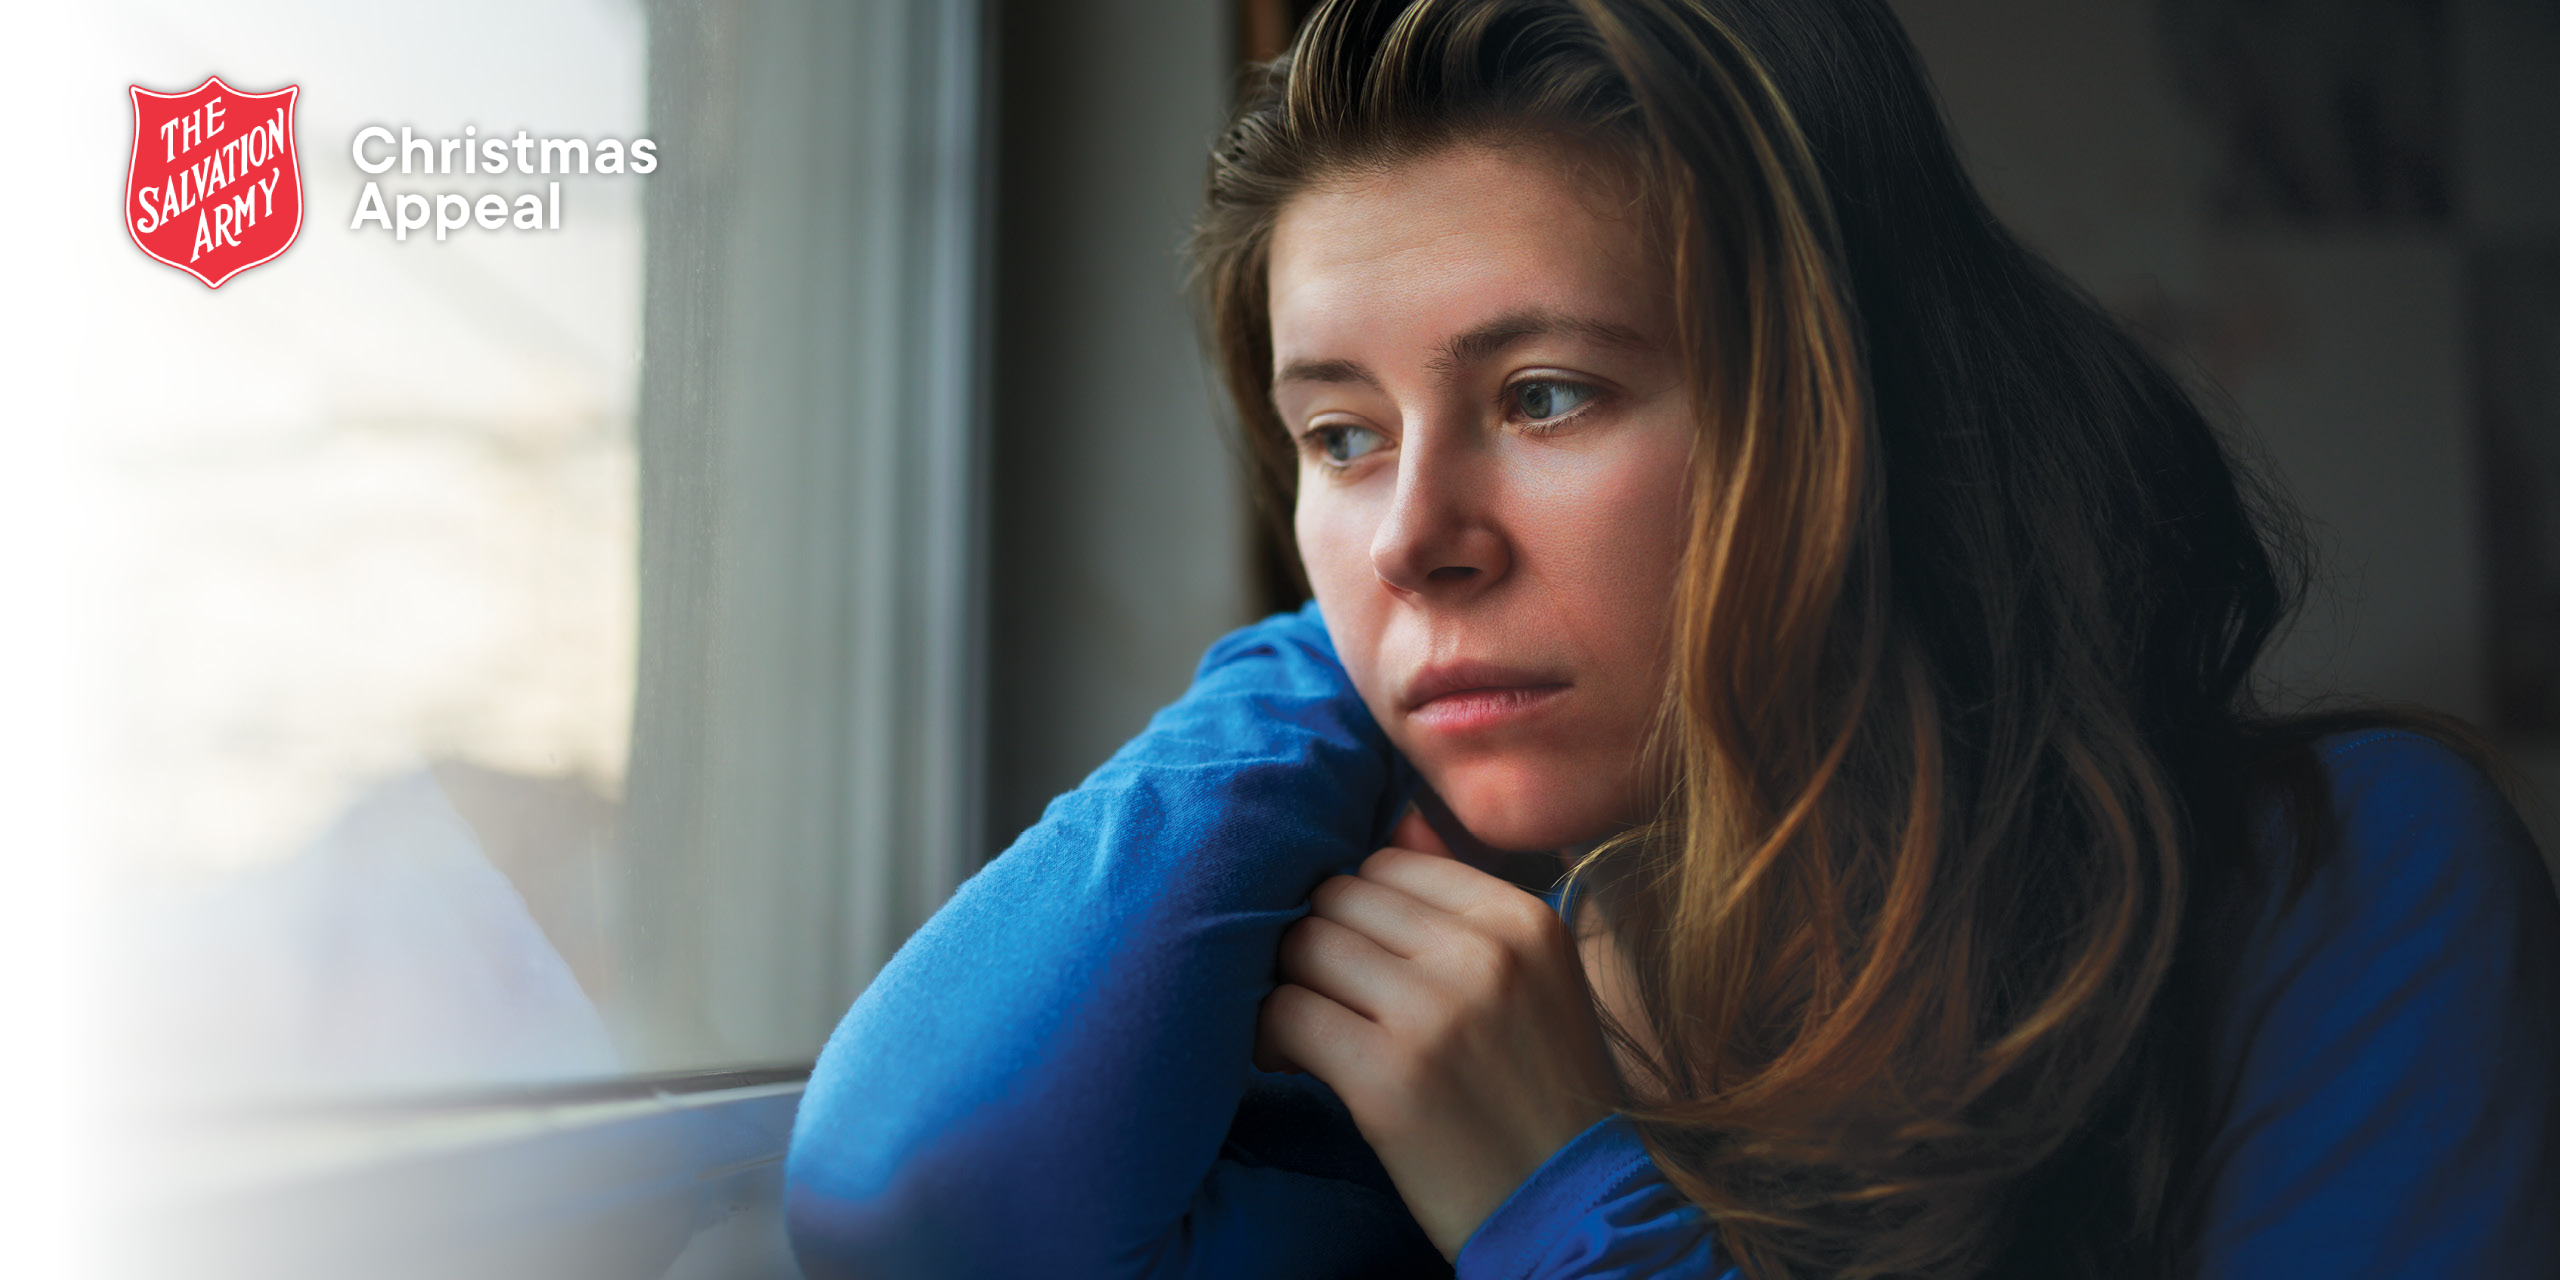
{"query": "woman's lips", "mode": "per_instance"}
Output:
(1463, 697)
(1473, 709)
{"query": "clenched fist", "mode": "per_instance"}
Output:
(1448, 1010)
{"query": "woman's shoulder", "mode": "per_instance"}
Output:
(2400, 815)
(2391, 769)
(2402, 856)
(2389, 1035)
(2394, 861)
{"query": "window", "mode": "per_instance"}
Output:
(521, 683)
(369, 593)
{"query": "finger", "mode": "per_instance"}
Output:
(1443, 883)
(1473, 901)
(1315, 1035)
(1388, 916)
(1267, 1055)
(1343, 966)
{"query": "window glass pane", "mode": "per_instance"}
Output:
(365, 592)
(530, 654)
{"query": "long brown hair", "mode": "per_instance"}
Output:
(1960, 717)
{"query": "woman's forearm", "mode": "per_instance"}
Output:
(1041, 1078)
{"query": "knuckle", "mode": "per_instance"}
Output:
(1286, 1001)
(1328, 895)
(1294, 938)
(1550, 934)
(1530, 920)
(1301, 946)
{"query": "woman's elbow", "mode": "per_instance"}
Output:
(845, 1221)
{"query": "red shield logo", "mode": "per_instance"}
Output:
(215, 186)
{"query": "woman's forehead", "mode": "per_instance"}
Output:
(1458, 236)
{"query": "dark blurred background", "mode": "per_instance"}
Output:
(2340, 217)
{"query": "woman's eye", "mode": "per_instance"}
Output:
(1341, 442)
(1547, 398)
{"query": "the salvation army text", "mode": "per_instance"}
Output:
(245, 158)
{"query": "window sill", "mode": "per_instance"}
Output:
(674, 1177)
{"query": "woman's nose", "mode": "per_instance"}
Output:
(1441, 536)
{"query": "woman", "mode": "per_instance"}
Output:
(1694, 479)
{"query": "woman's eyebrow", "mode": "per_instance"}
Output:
(1493, 335)
(1475, 344)
(1328, 371)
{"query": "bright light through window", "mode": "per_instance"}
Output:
(365, 600)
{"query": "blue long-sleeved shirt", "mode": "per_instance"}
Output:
(1052, 1077)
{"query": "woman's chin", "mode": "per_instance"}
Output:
(1523, 815)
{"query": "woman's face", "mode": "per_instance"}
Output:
(1473, 353)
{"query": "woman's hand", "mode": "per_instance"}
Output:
(1448, 1010)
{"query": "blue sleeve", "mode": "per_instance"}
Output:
(2393, 1044)
(1041, 1080)
(1597, 1208)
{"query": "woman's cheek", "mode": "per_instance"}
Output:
(1334, 547)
